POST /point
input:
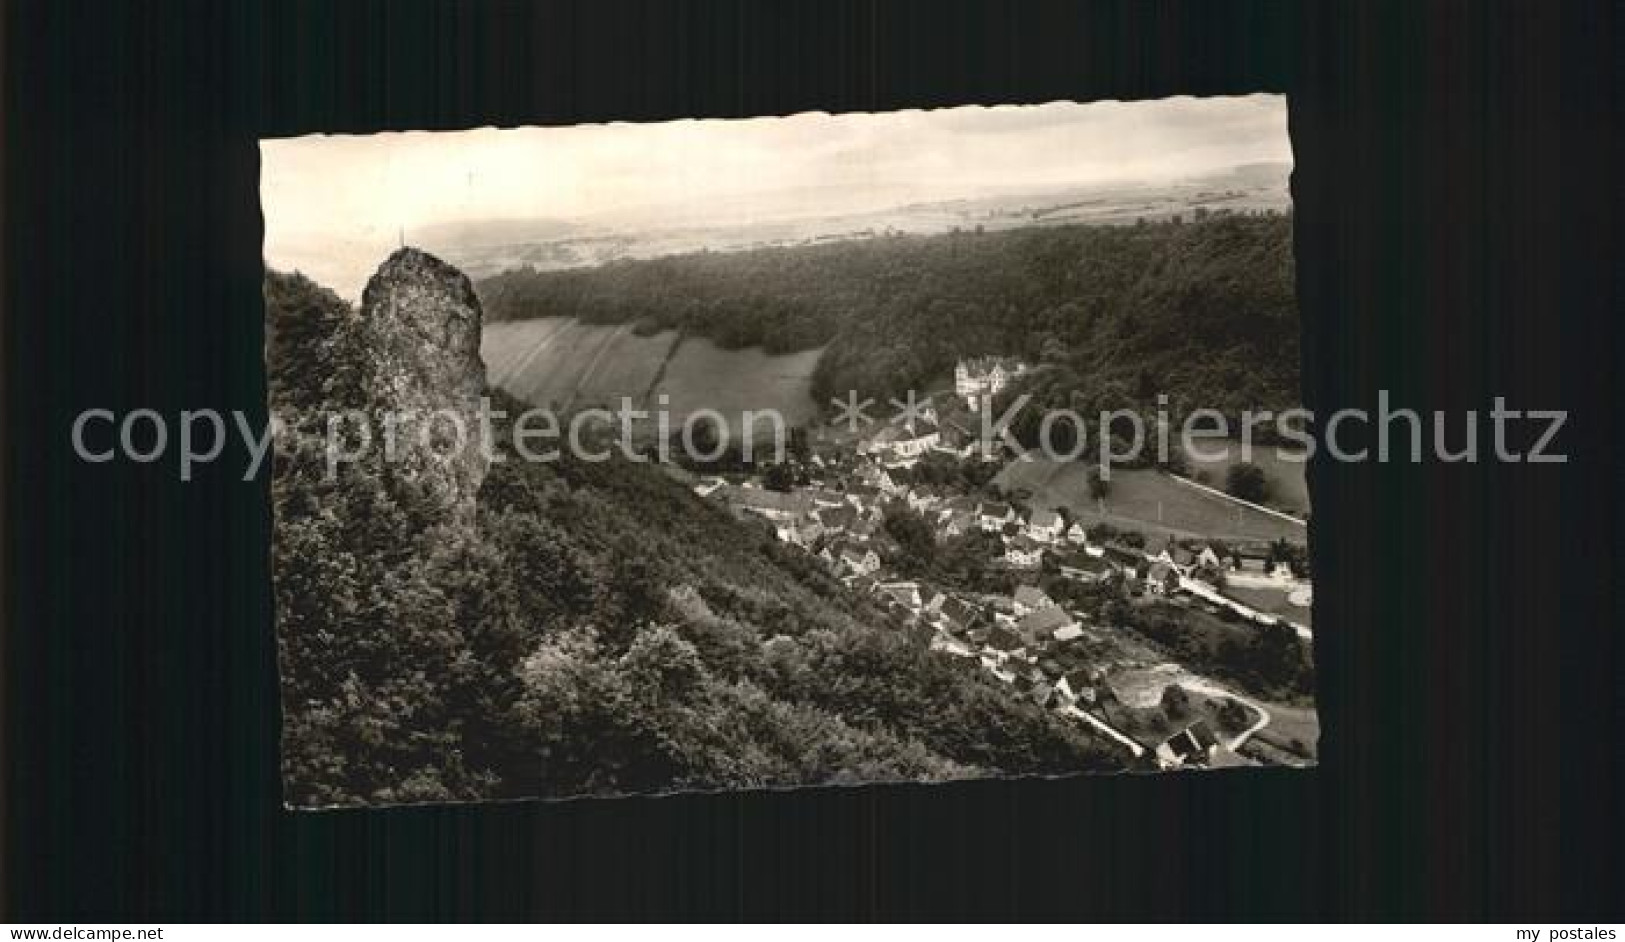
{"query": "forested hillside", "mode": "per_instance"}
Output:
(573, 628)
(1203, 311)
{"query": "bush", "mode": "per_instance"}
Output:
(1247, 481)
(1176, 702)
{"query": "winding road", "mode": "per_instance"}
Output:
(1192, 682)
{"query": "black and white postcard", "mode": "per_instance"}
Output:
(788, 451)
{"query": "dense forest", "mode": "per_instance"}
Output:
(582, 629)
(1203, 311)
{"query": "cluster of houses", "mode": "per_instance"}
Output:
(902, 445)
(844, 526)
(1242, 564)
(1025, 639)
(1029, 641)
(842, 522)
(1020, 638)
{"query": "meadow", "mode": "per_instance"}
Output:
(1283, 468)
(1143, 499)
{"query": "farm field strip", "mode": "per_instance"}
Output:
(510, 347)
(561, 362)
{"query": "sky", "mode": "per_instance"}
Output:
(357, 193)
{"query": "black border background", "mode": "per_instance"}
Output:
(1458, 239)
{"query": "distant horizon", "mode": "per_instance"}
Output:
(610, 221)
(335, 205)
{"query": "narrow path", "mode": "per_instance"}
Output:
(592, 365)
(1231, 498)
(660, 373)
(1107, 729)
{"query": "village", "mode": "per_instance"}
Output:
(1056, 645)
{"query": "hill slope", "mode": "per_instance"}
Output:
(1202, 311)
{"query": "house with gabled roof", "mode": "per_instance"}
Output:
(707, 486)
(1175, 555)
(961, 613)
(1069, 633)
(923, 499)
(978, 379)
(836, 520)
(875, 476)
(1022, 552)
(1162, 578)
(1212, 575)
(908, 593)
(922, 633)
(1002, 641)
(1250, 558)
(951, 645)
(993, 515)
(1078, 685)
(957, 524)
(1081, 567)
(1043, 623)
(863, 528)
(1030, 598)
(803, 533)
(1195, 743)
(858, 560)
(823, 498)
(1045, 526)
(900, 445)
(1043, 694)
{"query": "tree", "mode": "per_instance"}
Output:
(1099, 486)
(1276, 656)
(797, 446)
(779, 477)
(1296, 557)
(1145, 385)
(913, 534)
(1232, 716)
(1247, 481)
(1174, 462)
(705, 435)
(1176, 703)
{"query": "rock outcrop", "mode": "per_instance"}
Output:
(419, 338)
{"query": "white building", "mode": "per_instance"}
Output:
(1045, 526)
(984, 377)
